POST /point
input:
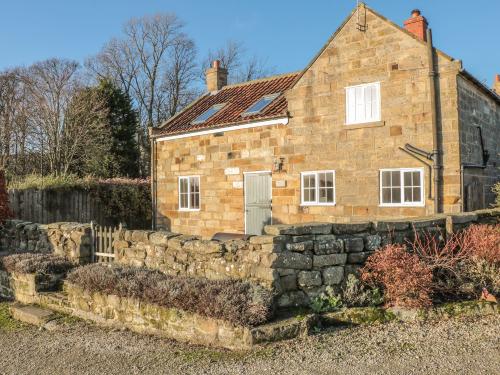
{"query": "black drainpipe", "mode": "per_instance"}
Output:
(153, 182)
(436, 152)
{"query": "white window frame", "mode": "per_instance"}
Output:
(421, 203)
(189, 192)
(316, 202)
(348, 120)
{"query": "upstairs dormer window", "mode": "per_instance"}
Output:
(260, 105)
(363, 103)
(208, 113)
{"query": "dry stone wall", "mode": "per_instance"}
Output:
(71, 240)
(185, 255)
(297, 261)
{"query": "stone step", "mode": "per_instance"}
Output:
(56, 298)
(57, 301)
(31, 314)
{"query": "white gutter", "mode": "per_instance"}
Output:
(277, 121)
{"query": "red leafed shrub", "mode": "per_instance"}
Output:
(5, 212)
(463, 264)
(405, 279)
(480, 242)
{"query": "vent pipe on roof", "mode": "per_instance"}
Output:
(417, 25)
(216, 76)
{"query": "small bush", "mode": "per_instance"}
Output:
(405, 279)
(357, 294)
(496, 190)
(5, 211)
(231, 300)
(36, 263)
(481, 268)
(480, 242)
(463, 264)
(326, 301)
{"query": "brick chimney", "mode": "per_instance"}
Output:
(417, 25)
(496, 84)
(216, 76)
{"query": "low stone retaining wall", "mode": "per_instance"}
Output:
(71, 240)
(176, 324)
(26, 287)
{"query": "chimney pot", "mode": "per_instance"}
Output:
(216, 76)
(497, 78)
(415, 13)
(417, 25)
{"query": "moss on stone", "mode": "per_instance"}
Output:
(359, 315)
(7, 323)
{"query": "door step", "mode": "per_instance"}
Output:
(31, 314)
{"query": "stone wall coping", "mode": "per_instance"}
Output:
(382, 225)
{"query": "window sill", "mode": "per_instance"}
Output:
(317, 204)
(188, 209)
(363, 125)
(402, 205)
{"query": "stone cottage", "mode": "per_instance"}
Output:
(380, 124)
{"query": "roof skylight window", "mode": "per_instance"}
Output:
(259, 105)
(208, 113)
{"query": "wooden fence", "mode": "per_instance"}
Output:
(52, 206)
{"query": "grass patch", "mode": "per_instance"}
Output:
(7, 323)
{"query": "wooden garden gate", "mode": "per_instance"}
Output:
(103, 237)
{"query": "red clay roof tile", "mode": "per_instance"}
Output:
(238, 98)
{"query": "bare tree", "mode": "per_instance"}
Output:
(154, 63)
(14, 124)
(117, 62)
(63, 127)
(241, 68)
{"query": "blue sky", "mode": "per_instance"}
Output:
(287, 32)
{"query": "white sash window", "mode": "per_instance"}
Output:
(189, 193)
(363, 103)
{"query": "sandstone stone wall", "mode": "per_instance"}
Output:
(27, 287)
(152, 319)
(187, 255)
(221, 162)
(297, 261)
(72, 240)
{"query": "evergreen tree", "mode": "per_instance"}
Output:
(123, 124)
(5, 212)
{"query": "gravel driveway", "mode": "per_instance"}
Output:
(469, 346)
